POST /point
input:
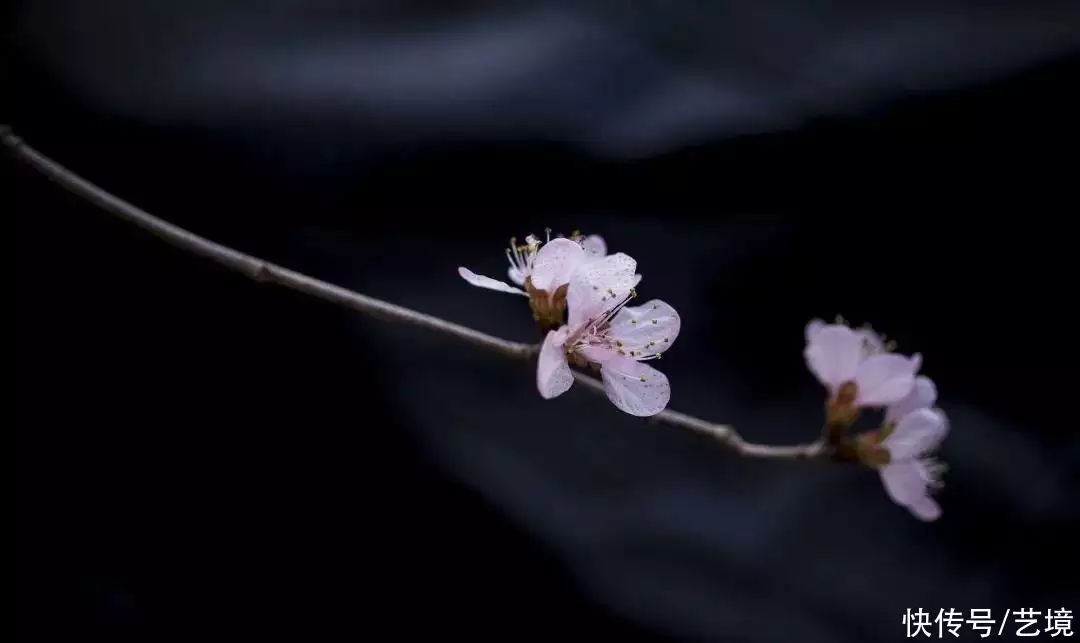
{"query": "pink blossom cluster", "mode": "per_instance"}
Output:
(579, 295)
(859, 371)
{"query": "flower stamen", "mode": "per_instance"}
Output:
(594, 331)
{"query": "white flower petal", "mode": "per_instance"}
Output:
(922, 396)
(591, 287)
(903, 482)
(488, 282)
(516, 276)
(915, 434)
(594, 246)
(634, 387)
(886, 378)
(813, 328)
(553, 374)
(834, 355)
(925, 509)
(647, 330)
(555, 263)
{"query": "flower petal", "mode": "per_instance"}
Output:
(903, 482)
(834, 355)
(594, 246)
(488, 282)
(813, 328)
(584, 301)
(647, 330)
(634, 387)
(922, 396)
(516, 276)
(906, 485)
(553, 374)
(589, 293)
(555, 263)
(926, 509)
(886, 378)
(918, 432)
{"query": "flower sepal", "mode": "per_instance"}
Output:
(869, 450)
(840, 413)
(548, 309)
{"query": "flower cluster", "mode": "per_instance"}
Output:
(860, 371)
(579, 295)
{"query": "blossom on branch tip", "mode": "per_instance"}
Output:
(602, 330)
(857, 369)
(901, 450)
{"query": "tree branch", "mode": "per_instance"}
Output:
(264, 271)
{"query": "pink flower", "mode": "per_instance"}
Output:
(601, 329)
(855, 367)
(914, 430)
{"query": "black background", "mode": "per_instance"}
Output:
(202, 456)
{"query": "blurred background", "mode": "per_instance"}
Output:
(200, 456)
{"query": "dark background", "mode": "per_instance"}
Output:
(200, 456)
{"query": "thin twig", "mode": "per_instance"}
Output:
(261, 270)
(724, 433)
